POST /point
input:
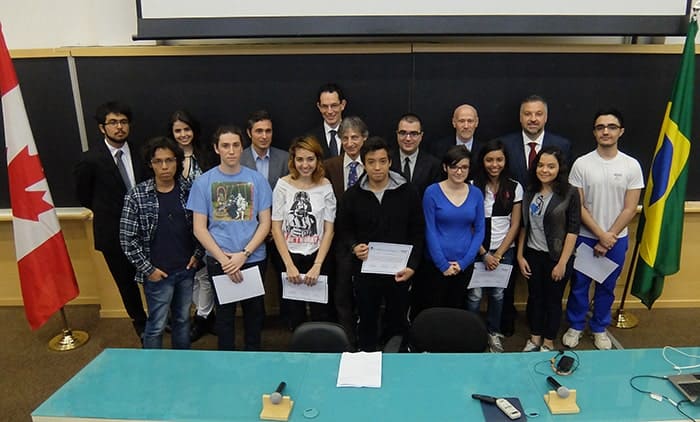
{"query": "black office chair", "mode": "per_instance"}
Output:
(321, 337)
(444, 330)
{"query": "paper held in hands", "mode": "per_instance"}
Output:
(317, 293)
(596, 267)
(481, 277)
(227, 291)
(360, 369)
(386, 258)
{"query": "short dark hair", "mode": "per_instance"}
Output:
(455, 154)
(115, 107)
(561, 184)
(534, 98)
(164, 142)
(411, 118)
(223, 129)
(373, 143)
(330, 87)
(610, 111)
(258, 116)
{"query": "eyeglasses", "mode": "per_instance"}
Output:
(459, 168)
(158, 162)
(406, 134)
(610, 127)
(334, 106)
(123, 122)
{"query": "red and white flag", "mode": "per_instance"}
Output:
(45, 270)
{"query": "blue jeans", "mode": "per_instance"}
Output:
(495, 305)
(172, 294)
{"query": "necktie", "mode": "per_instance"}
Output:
(407, 169)
(352, 176)
(333, 145)
(122, 169)
(532, 155)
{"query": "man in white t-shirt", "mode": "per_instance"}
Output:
(610, 183)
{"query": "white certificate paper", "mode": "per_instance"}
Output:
(596, 267)
(481, 277)
(227, 291)
(361, 369)
(386, 258)
(317, 293)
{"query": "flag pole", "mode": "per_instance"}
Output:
(623, 318)
(68, 339)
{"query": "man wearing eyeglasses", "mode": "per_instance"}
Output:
(156, 236)
(523, 146)
(465, 120)
(104, 174)
(331, 104)
(609, 182)
(417, 166)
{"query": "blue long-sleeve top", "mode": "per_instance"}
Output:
(453, 233)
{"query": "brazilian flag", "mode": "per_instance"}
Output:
(660, 229)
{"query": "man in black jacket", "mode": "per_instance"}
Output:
(381, 207)
(104, 174)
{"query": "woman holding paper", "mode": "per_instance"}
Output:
(546, 243)
(503, 198)
(454, 230)
(303, 213)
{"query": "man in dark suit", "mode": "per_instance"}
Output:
(417, 166)
(331, 103)
(260, 155)
(465, 120)
(523, 146)
(343, 172)
(103, 176)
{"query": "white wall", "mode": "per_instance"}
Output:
(67, 23)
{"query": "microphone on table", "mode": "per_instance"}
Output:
(562, 391)
(276, 397)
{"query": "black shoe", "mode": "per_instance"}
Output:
(211, 323)
(198, 328)
(507, 328)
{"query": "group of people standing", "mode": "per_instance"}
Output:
(314, 210)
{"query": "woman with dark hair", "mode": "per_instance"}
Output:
(454, 229)
(184, 128)
(546, 243)
(503, 198)
(303, 214)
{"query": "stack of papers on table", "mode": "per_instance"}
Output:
(360, 369)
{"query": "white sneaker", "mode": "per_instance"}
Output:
(571, 337)
(545, 348)
(530, 346)
(602, 341)
(495, 345)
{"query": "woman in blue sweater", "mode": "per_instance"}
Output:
(454, 230)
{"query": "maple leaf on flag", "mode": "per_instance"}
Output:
(27, 172)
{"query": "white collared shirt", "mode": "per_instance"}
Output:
(126, 157)
(327, 130)
(469, 144)
(411, 161)
(526, 147)
(346, 169)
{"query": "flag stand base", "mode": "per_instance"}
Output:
(625, 320)
(68, 340)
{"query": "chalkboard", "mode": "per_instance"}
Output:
(379, 88)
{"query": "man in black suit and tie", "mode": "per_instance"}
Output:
(331, 103)
(522, 147)
(465, 120)
(260, 155)
(418, 167)
(104, 174)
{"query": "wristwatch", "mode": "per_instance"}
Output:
(246, 252)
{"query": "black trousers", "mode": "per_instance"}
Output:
(124, 275)
(372, 291)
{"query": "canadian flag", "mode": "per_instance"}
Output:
(45, 270)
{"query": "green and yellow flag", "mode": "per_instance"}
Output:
(660, 229)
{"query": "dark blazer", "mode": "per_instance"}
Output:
(334, 173)
(439, 147)
(562, 216)
(427, 170)
(279, 164)
(319, 133)
(100, 188)
(517, 161)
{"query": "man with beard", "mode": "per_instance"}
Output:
(104, 174)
